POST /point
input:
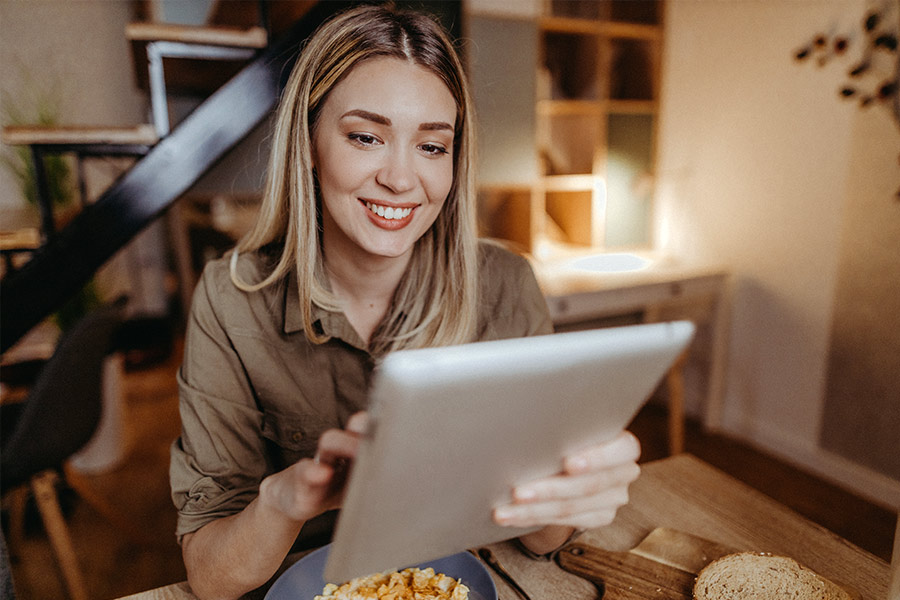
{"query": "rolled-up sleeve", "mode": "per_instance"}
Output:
(217, 463)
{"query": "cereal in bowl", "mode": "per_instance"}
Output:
(408, 584)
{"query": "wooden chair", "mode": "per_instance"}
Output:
(894, 585)
(58, 418)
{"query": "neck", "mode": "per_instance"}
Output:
(365, 286)
(357, 282)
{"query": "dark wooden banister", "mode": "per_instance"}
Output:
(68, 261)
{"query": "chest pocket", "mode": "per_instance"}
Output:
(291, 438)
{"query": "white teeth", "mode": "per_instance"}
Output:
(389, 212)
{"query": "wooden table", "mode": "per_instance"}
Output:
(686, 494)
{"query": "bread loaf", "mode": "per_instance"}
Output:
(748, 575)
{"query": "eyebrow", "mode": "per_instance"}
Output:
(382, 120)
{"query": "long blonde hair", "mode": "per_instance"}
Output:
(435, 302)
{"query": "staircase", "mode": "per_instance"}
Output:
(169, 161)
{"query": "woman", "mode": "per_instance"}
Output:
(365, 244)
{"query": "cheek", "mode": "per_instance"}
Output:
(439, 182)
(338, 169)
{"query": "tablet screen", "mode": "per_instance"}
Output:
(453, 429)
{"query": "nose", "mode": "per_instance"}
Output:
(397, 172)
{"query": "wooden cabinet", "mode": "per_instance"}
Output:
(595, 120)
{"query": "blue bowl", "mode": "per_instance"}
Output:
(303, 580)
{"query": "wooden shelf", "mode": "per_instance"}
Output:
(606, 28)
(596, 118)
(569, 183)
(569, 25)
(191, 76)
(632, 107)
(646, 12)
(28, 238)
(631, 31)
(551, 108)
(235, 37)
(25, 135)
(596, 107)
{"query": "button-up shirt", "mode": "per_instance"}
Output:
(256, 394)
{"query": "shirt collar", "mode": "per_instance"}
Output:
(330, 323)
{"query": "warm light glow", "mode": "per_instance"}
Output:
(613, 262)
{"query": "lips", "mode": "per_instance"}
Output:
(389, 217)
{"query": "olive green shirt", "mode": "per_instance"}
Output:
(256, 394)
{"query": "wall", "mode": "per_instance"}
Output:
(861, 419)
(502, 53)
(756, 166)
(62, 51)
(74, 55)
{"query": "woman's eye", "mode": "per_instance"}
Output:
(363, 139)
(433, 149)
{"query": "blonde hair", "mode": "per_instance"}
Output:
(435, 301)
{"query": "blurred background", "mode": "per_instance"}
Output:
(735, 163)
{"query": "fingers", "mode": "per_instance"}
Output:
(341, 445)
(567, 486)
(583, 501)
(623, 449)
(314, 485)
(337, 445)
(571, 514)
(299, 492)
(586, 493)
(358, 423)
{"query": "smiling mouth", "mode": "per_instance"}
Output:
(389, 212)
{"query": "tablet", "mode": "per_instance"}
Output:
(453, 429)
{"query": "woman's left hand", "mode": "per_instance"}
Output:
(591, 487)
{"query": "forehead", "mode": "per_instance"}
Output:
(398, 89)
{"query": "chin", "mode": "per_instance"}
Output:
(391, 253)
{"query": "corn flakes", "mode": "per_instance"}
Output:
(408, 584)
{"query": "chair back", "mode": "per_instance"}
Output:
(63, 408)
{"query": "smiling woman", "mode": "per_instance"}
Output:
(383, 173)
(388, 165)
(351, 83)
(365, 244)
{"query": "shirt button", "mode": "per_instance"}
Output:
(297, 436)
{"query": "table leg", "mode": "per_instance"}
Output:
(715, 398)
(675, 390)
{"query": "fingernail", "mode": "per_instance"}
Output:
(502, 515)
(524, 494)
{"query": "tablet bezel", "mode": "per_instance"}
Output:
(453, 429)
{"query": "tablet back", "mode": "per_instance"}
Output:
(453, 429)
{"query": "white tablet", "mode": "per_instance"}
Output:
(453, 429)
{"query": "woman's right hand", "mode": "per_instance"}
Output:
(313, 485)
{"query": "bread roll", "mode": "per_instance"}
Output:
(749, 575)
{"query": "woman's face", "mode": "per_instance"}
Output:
(383, 152)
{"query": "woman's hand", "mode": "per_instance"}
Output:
(313, 485)
(591, 487)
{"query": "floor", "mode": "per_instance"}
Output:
(115, 565)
